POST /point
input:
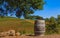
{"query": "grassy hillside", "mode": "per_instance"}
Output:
(8, 23)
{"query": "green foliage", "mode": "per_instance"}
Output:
(35, 17)
(58, 19)
(35, 4)
(25, 7)
(1, 1)
(51, 28)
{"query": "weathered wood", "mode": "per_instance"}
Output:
(39, 28)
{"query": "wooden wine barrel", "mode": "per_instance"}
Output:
(39, 28)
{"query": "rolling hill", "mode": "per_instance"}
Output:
(8, 23)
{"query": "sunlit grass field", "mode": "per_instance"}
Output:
(21, 25)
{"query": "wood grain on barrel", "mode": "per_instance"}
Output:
(39, 27)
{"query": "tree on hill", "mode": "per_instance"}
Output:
(47, 21)
(25, 7)
(58, 19)
(35, 17)
(52, 26)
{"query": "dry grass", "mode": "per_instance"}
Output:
(16, 24)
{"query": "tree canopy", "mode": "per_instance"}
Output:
(25, 7)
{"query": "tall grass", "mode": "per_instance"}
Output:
(16, 24)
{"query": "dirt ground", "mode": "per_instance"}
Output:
(46, 36)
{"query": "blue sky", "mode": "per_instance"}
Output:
(51, 8)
